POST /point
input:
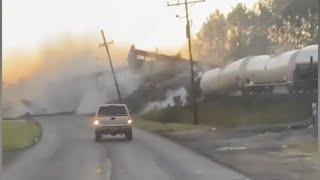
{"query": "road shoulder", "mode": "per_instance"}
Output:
(18, 136)
(263, 152)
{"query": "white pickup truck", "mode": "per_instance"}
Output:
(112, 119)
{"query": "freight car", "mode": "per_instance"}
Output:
(305, 74)
(296, 70)
(155, 67)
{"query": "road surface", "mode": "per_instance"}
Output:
(67, 151)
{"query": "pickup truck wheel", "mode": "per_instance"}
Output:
(128, 135)
(97, 137)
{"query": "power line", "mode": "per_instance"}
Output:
(193, 94)
(105, 44)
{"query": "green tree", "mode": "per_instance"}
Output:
(213, 36)
(296, 23)
(240, 22)
(253, 31)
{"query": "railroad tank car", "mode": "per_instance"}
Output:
(255, 75)
(279, 69)
(255, 66)
(209, 82)
(305, 74)
(232, 76)
(291, 69)
(303, 56)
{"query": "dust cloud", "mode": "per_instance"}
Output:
(70, 74)
(170, 94)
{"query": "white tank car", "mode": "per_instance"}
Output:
(305, 74)
(303, 56)
(280, 68)
(264, 71)
(255, 71)
(232, 76)
(210, 81)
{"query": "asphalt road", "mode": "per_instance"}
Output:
(67, 151)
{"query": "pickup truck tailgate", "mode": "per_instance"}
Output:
(113, 120)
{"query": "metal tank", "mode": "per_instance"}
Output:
(221, 80)
(262, 71)
(210, 81)
(279, 69)
(305, 74)
(233, 75)
(303, 56)
(256, 69)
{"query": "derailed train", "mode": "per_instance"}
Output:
(296, 70)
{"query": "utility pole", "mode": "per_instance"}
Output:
(105, 44)
(188, 33)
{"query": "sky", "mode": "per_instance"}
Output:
(148, 24)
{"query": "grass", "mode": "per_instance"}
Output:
(239, 111)
(307, 147)
(19, 134)
(177, 128)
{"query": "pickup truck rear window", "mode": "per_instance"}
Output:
(112, 111)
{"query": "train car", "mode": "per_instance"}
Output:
(271, 71)
(296, 70)
(280, 68)
(255, 74)
(225, 79)
(209, 82)
(155, 68)
(232, 76)
(305, 74)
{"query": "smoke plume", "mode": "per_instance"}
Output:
(169, 101)
(67, 75)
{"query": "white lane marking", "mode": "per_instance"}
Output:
(270, 134)
(98, 170)
(108, 169)
(231, 148)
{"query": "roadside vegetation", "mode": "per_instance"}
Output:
(173, 128)
(232, 112)
(19, 134)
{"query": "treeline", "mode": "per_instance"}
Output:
(268, 26)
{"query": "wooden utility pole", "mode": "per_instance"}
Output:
(188, 33)
(105, 44)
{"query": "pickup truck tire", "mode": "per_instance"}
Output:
(128, 135)
(97, 137)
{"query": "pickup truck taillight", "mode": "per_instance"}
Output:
(96, 122)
